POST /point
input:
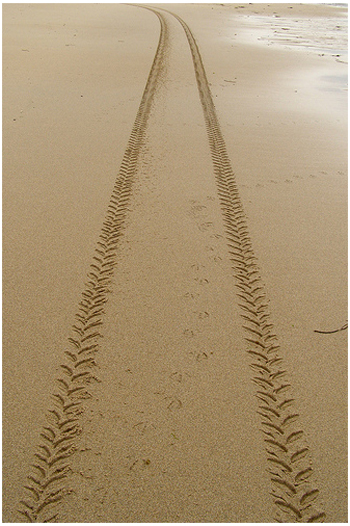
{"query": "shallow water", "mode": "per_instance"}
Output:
(321, 87)
(318, 35)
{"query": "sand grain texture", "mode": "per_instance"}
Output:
(184, 369)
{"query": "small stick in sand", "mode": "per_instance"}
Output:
(343, 328)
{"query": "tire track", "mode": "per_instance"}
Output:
(47, 484)
(294, 491)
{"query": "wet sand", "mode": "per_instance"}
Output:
(164, 277)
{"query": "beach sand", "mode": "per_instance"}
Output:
(163, 277)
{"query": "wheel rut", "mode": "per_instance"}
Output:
(294, 491)
(48, 483)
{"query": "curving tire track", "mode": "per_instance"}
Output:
(48, 483)
(294, 491)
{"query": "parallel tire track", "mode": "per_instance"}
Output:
(294, 493)
(47, 484)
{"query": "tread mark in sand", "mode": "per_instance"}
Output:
(47, 484)
(289, 462)
(288, 457)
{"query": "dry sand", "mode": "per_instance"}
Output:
(168, 409)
